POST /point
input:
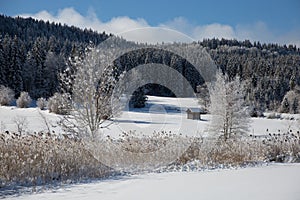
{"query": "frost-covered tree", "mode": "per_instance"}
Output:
(291, 101)
(229, 115)
(24, 100)
(90, 89)
(41, 103)
(203, 96)
(59, 104)
(6, 95)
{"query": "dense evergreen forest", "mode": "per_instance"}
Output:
(33, 52)
(271, 70)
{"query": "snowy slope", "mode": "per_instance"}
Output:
(275, 182)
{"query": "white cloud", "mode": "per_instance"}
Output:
(258, 31)
(155, 35)
(139, 30)
(72, 17)
(214, 30)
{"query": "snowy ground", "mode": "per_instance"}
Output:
(274, 182)
(168, 114)
(160, 114)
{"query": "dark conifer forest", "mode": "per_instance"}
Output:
(32, 53)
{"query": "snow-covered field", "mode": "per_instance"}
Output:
(160, 114)
(274, 182)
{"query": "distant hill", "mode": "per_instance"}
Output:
(32, 53)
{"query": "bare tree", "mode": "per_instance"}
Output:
(90, 90)
(229, 114)
(21, 123)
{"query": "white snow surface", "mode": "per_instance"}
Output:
(160, 114)
(277, 181)
(274, 182)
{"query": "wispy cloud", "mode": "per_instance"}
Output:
(124, 25)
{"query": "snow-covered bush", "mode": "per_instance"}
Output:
(41, 103)
(6, 95)
(290, 102)
(58, 104)
(24, 100)
(274, 115)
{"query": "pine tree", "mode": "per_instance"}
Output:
(5, 63)
(28, 75)
(39, 56)
(295, 106)
(53, 63)
(285, 106)
(17, 62)
(138, 98)
(2, 64)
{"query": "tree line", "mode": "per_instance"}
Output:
(270, 70)
(33, 53)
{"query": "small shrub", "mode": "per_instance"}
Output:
(41, 103)
(6, 96)
(274, 116)
(58, 104)
(254, 112)
(24, 100)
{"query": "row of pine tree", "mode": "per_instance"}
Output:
(33, 52)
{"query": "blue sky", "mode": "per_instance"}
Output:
(264, 20)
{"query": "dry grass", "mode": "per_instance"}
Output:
(238, 151)
(216, 152)
(43, 158)
(132, 152)
(283, 147)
